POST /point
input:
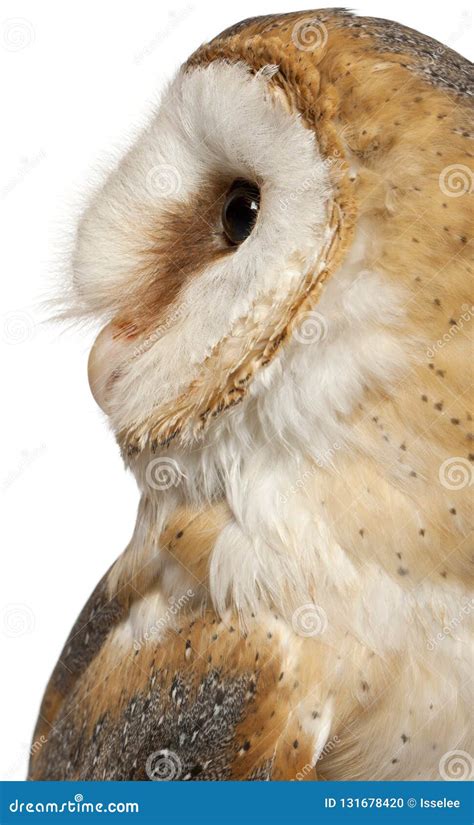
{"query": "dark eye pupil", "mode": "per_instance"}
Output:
(240, 210)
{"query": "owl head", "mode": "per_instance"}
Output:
(208, 242)
(234, 233)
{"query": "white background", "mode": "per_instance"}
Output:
(78, 78)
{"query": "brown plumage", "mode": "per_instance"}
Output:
(215, 697)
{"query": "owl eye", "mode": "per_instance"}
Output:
(240, 210)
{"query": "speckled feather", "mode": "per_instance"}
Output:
(216, 697)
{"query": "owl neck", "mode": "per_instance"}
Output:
(317, 474)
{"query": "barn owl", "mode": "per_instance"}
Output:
(281, 264)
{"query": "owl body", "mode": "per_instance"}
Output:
(286, 367)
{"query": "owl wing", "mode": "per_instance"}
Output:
(89, 632)
(208, 702)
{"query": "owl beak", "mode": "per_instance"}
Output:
(109, 351)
